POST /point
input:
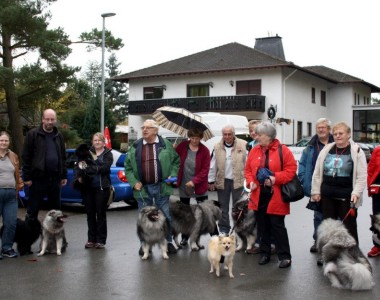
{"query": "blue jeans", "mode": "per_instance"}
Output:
(161, 202)
(318, 217)
(8, 209)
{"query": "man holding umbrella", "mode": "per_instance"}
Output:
(150, 161)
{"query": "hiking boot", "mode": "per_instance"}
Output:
(375, 251)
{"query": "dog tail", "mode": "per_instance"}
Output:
(361, 277)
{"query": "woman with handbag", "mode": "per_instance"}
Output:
(93, 174)
(265, 175)
(340, 177)
(374, 191)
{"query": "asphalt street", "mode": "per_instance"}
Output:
(117, 272)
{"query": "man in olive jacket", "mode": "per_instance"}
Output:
(150, 161)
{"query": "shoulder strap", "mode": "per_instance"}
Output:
(280, 153)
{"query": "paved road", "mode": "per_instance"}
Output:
(117, 272)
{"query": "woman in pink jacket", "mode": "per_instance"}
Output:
(266, 198)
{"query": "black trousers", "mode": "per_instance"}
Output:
(272, 226)
(95, 201)
(376, 209)
(337, 210)
(50, 187)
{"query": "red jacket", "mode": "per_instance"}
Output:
(276, 205)
(202, 166)
(373, 166)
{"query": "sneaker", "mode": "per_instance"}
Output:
(253, 250)
(89, 245)
(9, 253)
(171, 249)
(313, 248)
(375, 251)
(100, 246)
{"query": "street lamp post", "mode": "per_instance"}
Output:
(104, 16)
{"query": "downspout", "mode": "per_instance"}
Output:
(283, 104)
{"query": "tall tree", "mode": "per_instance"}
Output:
(115, 91)
(24, 30)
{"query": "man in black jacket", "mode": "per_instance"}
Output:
(44, 164)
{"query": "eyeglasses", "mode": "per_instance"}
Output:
(147, 127)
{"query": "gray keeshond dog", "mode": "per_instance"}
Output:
(344, 264)
(53, 238)
(152, 229)
(194, 220)
(245, 224)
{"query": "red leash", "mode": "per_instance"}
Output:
(351, 211)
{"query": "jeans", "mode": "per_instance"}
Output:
(41, 187)
(318, 217)
(160, 201)
(8, 210)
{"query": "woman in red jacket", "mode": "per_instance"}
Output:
(374, 178)
(266, 198)
(193, 171)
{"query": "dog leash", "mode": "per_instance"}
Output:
(240, 214)
(351, 212)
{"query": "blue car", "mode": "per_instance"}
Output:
(123, 190)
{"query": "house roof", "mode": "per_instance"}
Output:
(229, 57)
(340, 77)
(234, 57)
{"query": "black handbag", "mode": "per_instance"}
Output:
(291, 191)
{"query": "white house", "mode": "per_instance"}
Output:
(259, 84)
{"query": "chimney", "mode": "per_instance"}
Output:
(271, 45)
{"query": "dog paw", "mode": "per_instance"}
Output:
(195, 249)
(145, 257)
(40, 254)
(232, 275)
(201, 247)
(165, 257)
(59, 253)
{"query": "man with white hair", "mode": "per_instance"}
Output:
(226, 173)
(151, 160)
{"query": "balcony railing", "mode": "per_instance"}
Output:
(201, 104)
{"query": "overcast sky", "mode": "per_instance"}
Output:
(340, 34)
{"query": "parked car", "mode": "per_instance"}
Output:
(123, 190)
(304, 141)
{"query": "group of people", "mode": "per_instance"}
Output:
(44, 172)
(332, 170)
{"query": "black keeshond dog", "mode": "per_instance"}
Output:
(27, 233)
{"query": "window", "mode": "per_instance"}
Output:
(312, 95)
(153, 92)
(299, 130)
(323, 98)
(248, 87)
(198, 90)
(354, 98)
(309, 129)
